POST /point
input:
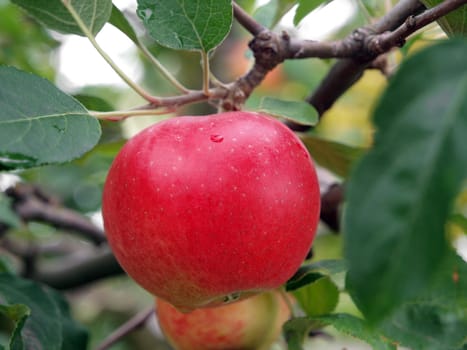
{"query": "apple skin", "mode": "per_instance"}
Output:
(204, 210)
(250, 324)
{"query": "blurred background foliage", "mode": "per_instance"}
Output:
(78, 185)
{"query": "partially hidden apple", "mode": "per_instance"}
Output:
(205, 210)
(250, 324)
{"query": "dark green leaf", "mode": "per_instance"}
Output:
(118, 19)
(39, 124)
(94, 103)
(52, 13)
(454, 23)
(43, 328)
(298, 111)
(311, 272)
(400, 195)
(189, 25)
(437, 319)
(318, 298)
(48, 324)
(305, 7)
(14, 316)
(296, 329)
(75, 336)
(334, 156)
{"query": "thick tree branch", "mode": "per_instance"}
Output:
(78, 271)
(32, 205)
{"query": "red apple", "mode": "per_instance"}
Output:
(204, 210)
(253, 323)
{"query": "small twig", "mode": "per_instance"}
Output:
(348, 71)
(206, 72)
(247, 21)
(131, 325)
(120, 115)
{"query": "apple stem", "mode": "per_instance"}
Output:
(286, 298)
(87, 32)
(206, 72)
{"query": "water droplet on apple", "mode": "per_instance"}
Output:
(217, 138)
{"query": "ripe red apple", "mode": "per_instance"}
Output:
(204, 210)
(253, 323)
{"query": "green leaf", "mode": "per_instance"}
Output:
(459, 220)
(318, 298)
(305, 7)
(437, 319)
(189, 25)
(7, 215)
(271, 13)
(94, 103)
(311, 272)
(298, 111)
(41, 320)
(454, 23)
(118, 20)
(334, 156)
(15, 315)
(75, 336)
(400, 195)
(52, 14)
(40, 124)
(296, 329)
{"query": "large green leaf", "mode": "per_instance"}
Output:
(437, 319)
(40, 124)
(454, 23)
(52, 13)
(40, 317)
(198, 25)
(400, 195)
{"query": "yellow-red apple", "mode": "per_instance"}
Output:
(250, 324)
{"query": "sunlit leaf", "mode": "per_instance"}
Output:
(39, 124)
(54, 15)
(189, 25)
